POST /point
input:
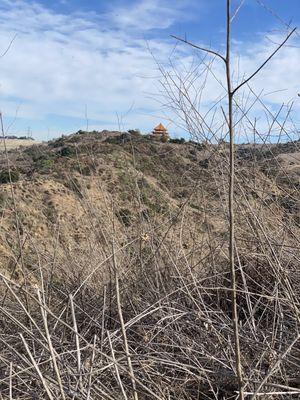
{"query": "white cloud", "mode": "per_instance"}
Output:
(150, 14)
(282, 71)
(59, 64)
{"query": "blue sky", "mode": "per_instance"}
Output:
(79, 63)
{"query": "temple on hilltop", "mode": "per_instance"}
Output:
(159, 133)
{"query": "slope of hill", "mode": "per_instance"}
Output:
(73, 181)
(91, 207)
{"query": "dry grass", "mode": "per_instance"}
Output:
(15, 143)
(141, 270)
(143, 310)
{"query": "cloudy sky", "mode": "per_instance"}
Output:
(74, 63)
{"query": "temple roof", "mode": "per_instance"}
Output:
(160, 128)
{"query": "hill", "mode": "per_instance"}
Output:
(90, 211)
(75, 180)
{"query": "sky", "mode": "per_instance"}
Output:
(92, 64)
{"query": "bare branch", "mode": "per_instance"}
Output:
(239, 6)
(9, 46)
(264, 63)
(199, 48)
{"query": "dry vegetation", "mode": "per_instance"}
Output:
(135, 269)
(115, 280)
(15, 143)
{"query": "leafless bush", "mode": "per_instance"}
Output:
(141, 314)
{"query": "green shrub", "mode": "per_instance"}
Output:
(143, 183)
(67, 151)
(178, 141)
(44, 164)
(4, 176)
(34, 152)
(124, 216)
(86, 170)
(134, 132)
(58, 142)
(204, 163)
(199, 146)
(113, 140)
(153, 200)
(181, 194)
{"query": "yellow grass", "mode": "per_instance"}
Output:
(14, 143)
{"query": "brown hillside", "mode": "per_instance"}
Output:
(106, 232)
(75, 191)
